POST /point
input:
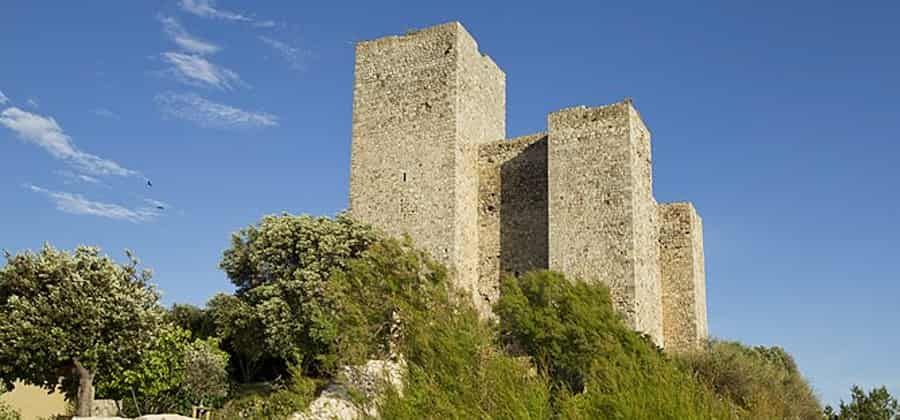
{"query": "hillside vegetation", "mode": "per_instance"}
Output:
(316, 294)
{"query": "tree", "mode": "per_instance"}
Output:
(191, 318)
(281, 268)
(878, 404)
(62, 312)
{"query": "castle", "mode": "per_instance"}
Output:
(430, 159)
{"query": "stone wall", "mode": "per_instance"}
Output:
(512, 210)
(422, 103)
(601, 206)
(683, 277)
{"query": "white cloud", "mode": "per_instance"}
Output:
(199, 110)
(293, 55)
(196, 70)
(32, 103)
(47, 134)
(3, 98)
(105, 113)
(78, 204)
(207, 9)
(186, 41)
(72, 177)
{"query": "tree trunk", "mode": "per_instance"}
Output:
(85, 397)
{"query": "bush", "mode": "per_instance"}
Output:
(8, 413)
(763, 381)
(279, 402)
(878, 404)
(598, 367)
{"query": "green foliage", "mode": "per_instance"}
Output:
(282, 269)
(878, 404)
(58, 308)
(174, 374)
(455, 371)
(599, 368)
(7, 412)
(198, 322)
(763, 381)
(284, 399)
(205, 375)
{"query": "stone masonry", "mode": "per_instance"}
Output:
(430, 159)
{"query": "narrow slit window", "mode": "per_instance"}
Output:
(404, 177)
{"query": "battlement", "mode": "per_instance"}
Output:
(430, 159)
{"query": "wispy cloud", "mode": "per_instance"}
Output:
(208, 9)
(186, 41)
(72, 177)
(78, 204)
(47, 134)
(32, 102)
(293, 55)
(3, 98)
(196, 70)
(105, 113)
(201, 111)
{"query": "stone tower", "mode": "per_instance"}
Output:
(603, 217)
(431, 160)
(422, 103)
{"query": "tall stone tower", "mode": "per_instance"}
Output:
(422, 104)
(683, 276)
(431, 160)
(602, 214)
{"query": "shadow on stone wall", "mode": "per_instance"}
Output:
(523, 211)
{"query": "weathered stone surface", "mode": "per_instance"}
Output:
(512, 210)
(602, 214)
(422, 104)
(430, 160)
(684, 278)
(369, 381)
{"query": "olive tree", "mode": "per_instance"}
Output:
(78, 312)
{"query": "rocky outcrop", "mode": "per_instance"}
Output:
(357, 391)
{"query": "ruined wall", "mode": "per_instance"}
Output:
(683, 277)
(512, 210)
(422, 103)
(601, 205)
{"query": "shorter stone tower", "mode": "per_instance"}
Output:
(431, 160)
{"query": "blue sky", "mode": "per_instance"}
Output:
(779, 121)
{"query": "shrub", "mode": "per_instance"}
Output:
(763, 381)
(7, 412)
(282, 400)
(878, 404)
(599, 367)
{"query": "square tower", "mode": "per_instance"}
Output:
(422, 105)
(602, 214)
(683, 277)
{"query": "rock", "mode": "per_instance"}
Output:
(370, 381)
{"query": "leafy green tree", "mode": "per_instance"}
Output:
(78, 311)
(198, 321)
(878, 404)
(281, 268)
(205, 376)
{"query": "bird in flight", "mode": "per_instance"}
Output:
(149, 184)
(160, 208)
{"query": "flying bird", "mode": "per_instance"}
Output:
(160, 208)
(149, 184)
